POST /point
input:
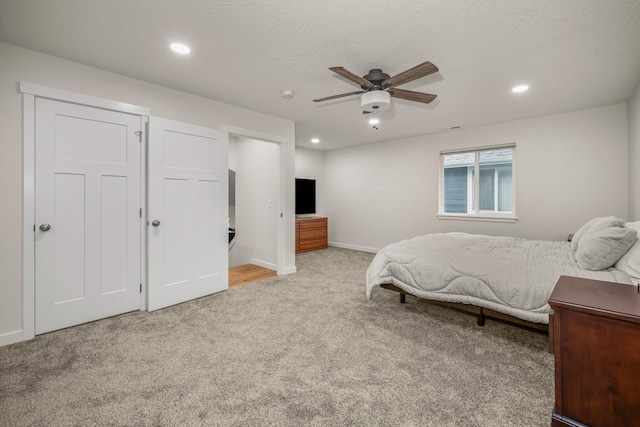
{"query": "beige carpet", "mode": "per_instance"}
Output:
(302, 350)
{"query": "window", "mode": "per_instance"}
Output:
(478, 183)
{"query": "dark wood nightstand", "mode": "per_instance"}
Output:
(596, 344)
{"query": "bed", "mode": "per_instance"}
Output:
(507, 275)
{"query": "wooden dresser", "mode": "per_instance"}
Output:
(595, 334)
(311, 234)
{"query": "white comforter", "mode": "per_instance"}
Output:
(509, 275)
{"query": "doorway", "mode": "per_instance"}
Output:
(255, 214)
(263, 156)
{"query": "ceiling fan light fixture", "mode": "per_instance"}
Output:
(375, 100)
(374, 120)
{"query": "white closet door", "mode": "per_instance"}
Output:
(187, 232)
(87, 236)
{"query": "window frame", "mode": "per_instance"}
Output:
(475, 214)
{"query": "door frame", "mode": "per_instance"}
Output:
(29, 94)
(280, 141)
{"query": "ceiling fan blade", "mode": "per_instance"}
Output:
(338, 96)
(412, 95)
(360, 81)
(411, 74)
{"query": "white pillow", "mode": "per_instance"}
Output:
(578, 234)
(604, 243)
(630, 261)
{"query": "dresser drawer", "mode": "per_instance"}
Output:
(312, 223)
(312, 245)
(319, 233)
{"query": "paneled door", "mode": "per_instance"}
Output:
(187, 229)
(87, 231)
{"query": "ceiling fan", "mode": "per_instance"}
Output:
(377, 86)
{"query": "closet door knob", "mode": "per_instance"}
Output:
(45, 227)
(155, 223)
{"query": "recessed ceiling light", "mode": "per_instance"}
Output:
(520, 88)
(180, 48)
(374, 121)
(315, 140)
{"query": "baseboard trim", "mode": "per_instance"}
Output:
(11, 338)
(353, 247)
(264, 264)
(288, 270)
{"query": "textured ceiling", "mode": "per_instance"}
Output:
(574, 54)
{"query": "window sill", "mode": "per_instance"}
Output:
(485, 218)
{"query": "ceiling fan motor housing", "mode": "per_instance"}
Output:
(375, 100)
(376, 77)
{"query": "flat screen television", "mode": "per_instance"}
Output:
(305, 196)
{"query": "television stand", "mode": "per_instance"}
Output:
(311, 233)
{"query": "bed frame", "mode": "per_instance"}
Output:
(480, 312)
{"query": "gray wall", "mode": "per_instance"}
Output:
(570, 167)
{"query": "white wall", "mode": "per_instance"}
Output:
(634, 155)
(19, 64)
(310, 165)
(570, 167)
(257, 181)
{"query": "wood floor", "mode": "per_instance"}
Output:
(248, 273)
